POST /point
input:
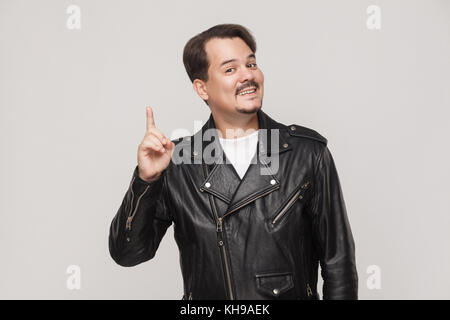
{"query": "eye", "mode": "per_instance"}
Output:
(228, 70)
(252, 65)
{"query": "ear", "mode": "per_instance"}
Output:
(200, 88)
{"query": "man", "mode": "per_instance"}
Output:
(245, 229)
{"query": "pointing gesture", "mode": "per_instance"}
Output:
(150, 120)
(154, 152)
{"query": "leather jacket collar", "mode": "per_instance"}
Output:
(260, 178)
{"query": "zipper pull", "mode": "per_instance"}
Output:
(128, 224)
(219, 225)
(308, 290)
(190, 296)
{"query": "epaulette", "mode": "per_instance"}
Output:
(300, 131)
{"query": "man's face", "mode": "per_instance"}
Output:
(235, 83)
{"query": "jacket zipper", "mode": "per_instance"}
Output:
(131, 215)
(221, 245)
(221, 236)
(131, 205)
(309, 292)
(290, 202)
(286, 207)
(251, 199)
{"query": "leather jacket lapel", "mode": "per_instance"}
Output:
(222, 180)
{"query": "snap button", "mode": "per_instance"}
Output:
(207, 184)
(195, 153)
(276, 291)
(128, 239)
(293, 128)
(272, 181)
(285, 145)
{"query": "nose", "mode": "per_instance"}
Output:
(246, 75)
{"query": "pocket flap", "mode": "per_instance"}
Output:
(274, 284)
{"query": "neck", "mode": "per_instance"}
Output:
(235, 125)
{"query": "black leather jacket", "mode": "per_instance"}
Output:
(261, 237)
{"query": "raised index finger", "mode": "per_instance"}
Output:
(150, 119)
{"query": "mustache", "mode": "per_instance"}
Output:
(247, 85)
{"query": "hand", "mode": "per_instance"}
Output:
(154, 152)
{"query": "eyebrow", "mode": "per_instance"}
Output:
(251, 55)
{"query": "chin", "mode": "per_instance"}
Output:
(249, 109)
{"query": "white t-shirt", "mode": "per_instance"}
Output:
(240, 151)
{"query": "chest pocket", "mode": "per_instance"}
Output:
(299, 194)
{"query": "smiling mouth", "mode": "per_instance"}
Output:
(247, 92)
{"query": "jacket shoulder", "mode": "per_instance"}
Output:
(296, 130)
(182, 140)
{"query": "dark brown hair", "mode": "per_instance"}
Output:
(194, 54)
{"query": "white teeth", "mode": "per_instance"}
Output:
(248, 91)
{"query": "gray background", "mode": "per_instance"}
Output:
(73, 113)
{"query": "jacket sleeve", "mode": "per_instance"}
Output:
(333, 238)
(141, 221)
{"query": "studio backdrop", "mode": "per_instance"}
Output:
(373, 77)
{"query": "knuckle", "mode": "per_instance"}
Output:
(154, 140)
(144, 145)
(149, 137)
